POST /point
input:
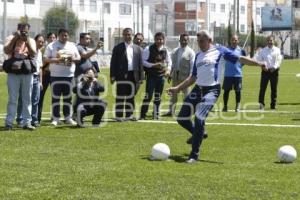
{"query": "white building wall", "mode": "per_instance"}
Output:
(18, 9)
(219, 18)
(89, 21)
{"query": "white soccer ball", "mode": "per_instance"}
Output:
(160, 151)
(287, 154)
(298, 75)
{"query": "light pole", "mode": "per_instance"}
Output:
(4, 20)
(208, 15)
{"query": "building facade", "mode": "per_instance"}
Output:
(103, 18)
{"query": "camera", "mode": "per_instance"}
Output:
(24, 34)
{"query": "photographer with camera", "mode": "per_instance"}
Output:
(87, 99)
(19, 47)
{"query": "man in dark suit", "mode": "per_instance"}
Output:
(126, 69)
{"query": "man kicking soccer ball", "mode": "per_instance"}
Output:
(206, 73)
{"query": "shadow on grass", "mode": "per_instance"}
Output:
(291, 104)
(282, 163)
(181, 159)
(296, 119)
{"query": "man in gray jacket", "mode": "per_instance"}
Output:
(182, 62)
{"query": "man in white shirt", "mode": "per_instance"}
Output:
(126, 69)
(207, 76)
(272, 57)
(62, 55)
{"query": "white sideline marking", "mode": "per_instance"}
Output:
(228, 124)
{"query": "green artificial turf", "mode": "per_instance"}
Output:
(238, 160)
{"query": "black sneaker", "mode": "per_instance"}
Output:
(29, 127)
(272, 106)
(225, 109)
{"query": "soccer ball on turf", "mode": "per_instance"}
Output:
(287, 154)
(160, 151)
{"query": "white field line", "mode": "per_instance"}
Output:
(242, 111)
(229, 124)
(206, 123)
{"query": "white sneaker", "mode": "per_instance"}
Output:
(71, 122)
(54, 123)
(191, 161)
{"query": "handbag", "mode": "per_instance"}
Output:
(13, 65)
(19, 65)
(29, 66)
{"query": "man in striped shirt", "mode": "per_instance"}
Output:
(207, 75)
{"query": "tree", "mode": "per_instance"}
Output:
(252, 44)
(60, 17)
(24, 19)
(283, 36)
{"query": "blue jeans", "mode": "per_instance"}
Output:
(61, 86)
(19, 85)
(35, 97)
(154, 84)
(199, 102)
(45, 83)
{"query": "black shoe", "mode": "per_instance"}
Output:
(224, 109)
(8, 128)
(272, 106)
(29, 127)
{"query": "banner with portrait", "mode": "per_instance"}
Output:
(276, 18)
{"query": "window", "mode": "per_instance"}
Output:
(243, 10)
(222, 25)
(106, 8)
(190, 26)
(190, 5)
(257, 11)
(242, 28)
(81, 5)
(8, 0)
(93, 5)
(213, 7)
(28, 1)
(125, 9)
(222, 8)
